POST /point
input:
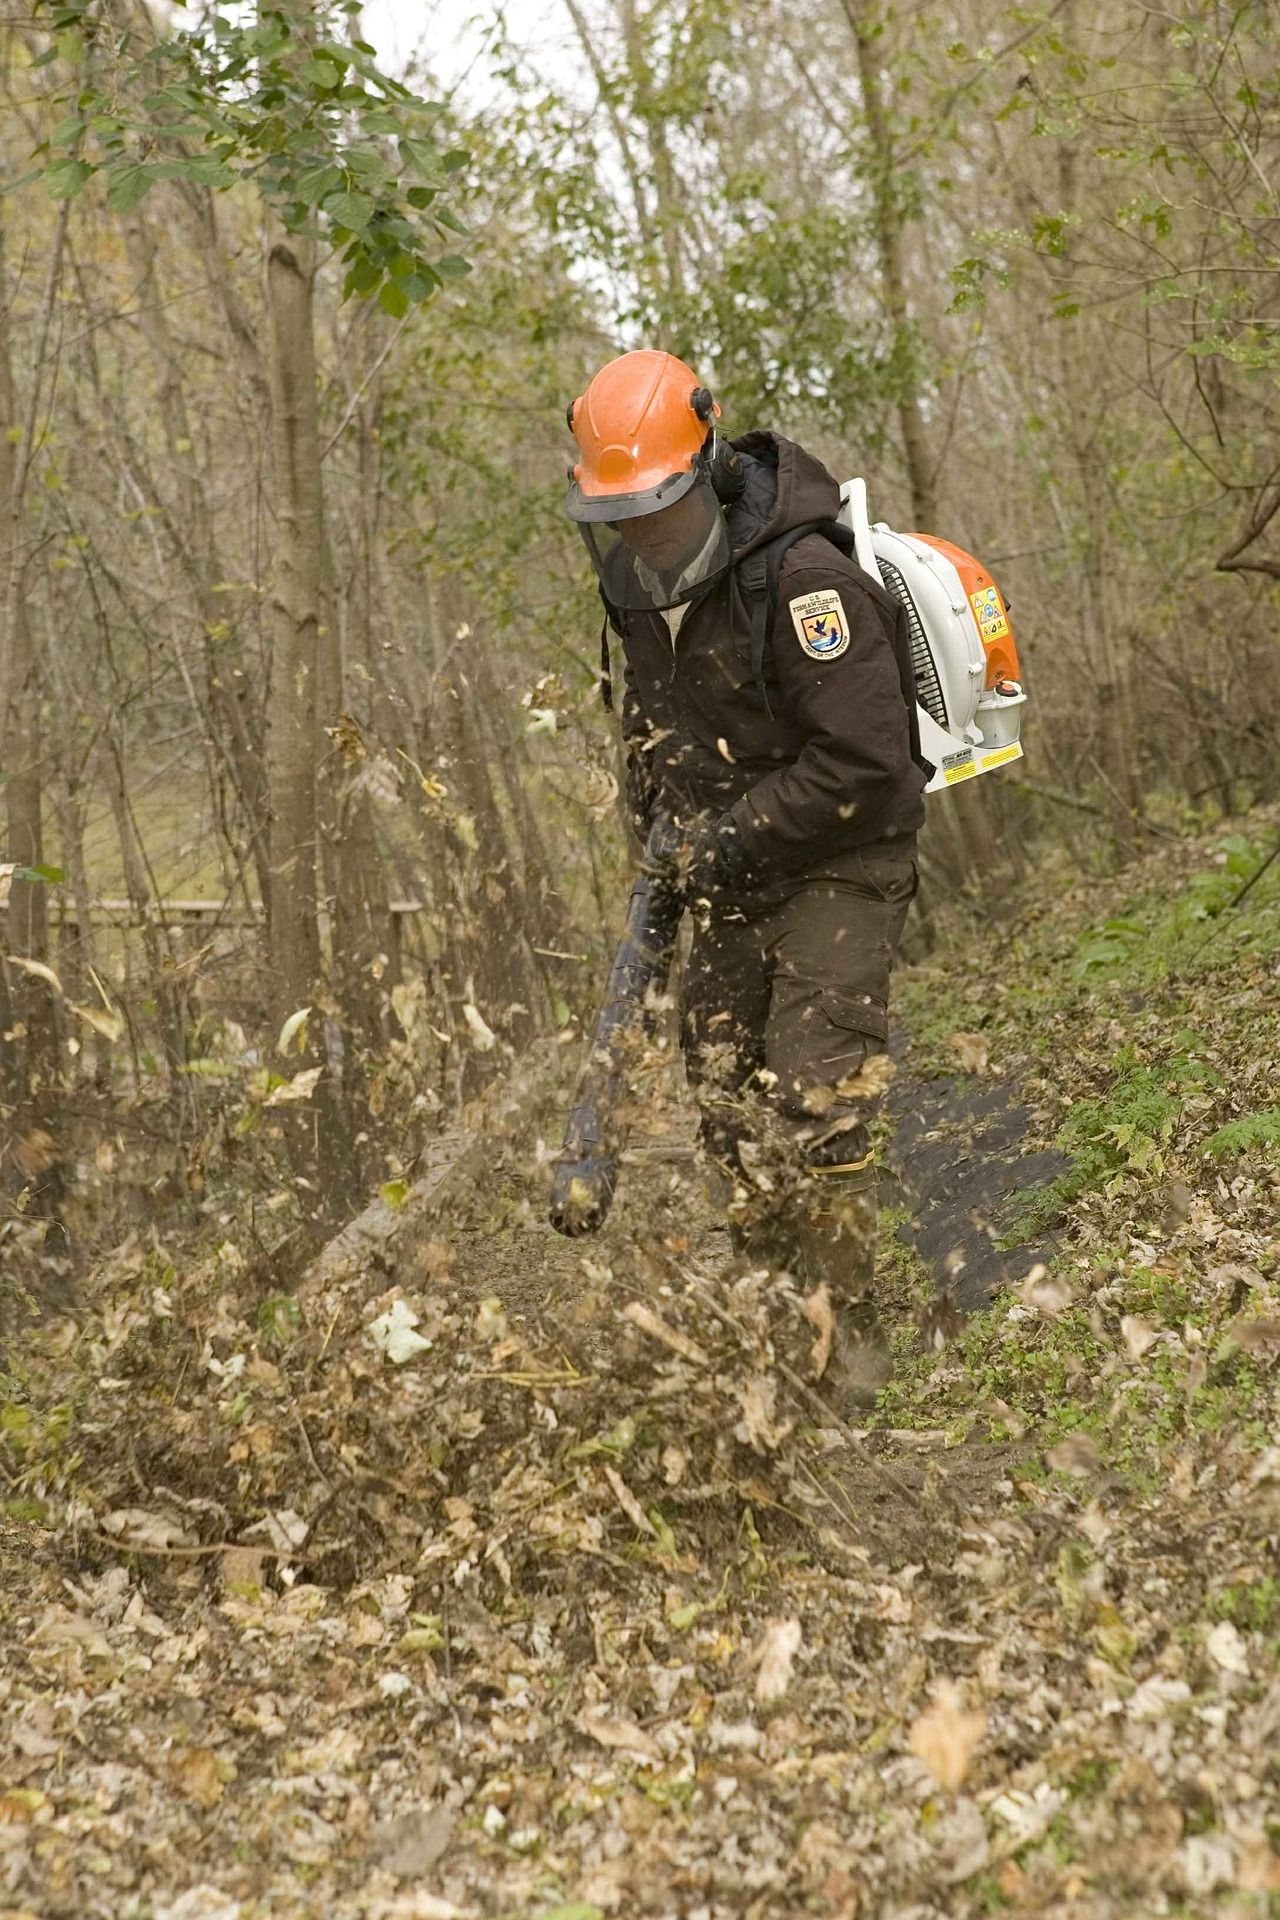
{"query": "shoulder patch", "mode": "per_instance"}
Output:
(820, 624)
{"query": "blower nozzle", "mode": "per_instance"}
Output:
(586, 1174)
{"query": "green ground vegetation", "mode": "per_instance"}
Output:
(1143, 1023)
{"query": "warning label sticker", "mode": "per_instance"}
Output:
(988, 611)
(1000, 756)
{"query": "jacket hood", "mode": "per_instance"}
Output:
(786, 487)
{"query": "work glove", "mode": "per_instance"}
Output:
(703, 858)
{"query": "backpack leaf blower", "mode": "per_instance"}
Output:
(969, 702)
(969, 696)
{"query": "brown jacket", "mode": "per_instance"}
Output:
(832, 768)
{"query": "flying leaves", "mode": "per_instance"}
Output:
(946, 1735)
(393, 1334)
(775, 1658)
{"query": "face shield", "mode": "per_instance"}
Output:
(658, 549)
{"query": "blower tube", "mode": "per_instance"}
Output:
(587, 1166)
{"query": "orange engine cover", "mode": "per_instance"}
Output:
(987, 605)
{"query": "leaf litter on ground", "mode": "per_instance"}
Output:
(589, 1610)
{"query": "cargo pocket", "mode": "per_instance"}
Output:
(890, 877)
(836, 1033)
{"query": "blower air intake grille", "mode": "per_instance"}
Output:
(928, 686)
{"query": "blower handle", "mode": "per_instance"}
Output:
(853, 511)
(586, 1174)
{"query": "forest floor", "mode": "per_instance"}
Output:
(510, 1576)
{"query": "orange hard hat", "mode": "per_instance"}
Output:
(640, 427)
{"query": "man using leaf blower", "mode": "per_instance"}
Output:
(774, 773)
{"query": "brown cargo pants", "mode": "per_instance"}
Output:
(786, 995)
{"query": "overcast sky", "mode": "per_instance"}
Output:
(450, 34)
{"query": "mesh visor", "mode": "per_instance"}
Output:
(661, 559)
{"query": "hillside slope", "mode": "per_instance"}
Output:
(522, 1578)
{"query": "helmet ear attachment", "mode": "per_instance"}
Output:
(703, 402)
(569, 412)
(727, 473)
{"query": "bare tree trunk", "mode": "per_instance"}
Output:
(28, 1063)
(354, 869)
(968, 808)
(921, 473)
(671, 209)
(293, 931)
(194, 530)
(302, 675)
(1085, 414)
(141, 892)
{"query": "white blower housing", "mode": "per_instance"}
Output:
(969, 694)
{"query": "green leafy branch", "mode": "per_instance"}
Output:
(338, 149)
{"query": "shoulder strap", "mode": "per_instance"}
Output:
(761, 574)
(615, 618)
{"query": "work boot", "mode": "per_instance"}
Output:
(836, 1231)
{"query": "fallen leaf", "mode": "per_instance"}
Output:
(204, 1902)
(1260, 1724)
(1077, 1454)
(109, 1025)
(774, 1658)
(946, 1734)
(1234, 1277)
(1255, 1332)
(301, 1087)
(392, 1333)
(740, 1736)
(1139, 1334)
(24, 1806)
(1157, 1698)
(58, 1628)
(872, 1080)
(818, 1312)
(656, 1327)
(36, 1152)
(136, 1527)
(334, 1752)
(1028, 1814)
(624, 1735)
(32, 1736)
(759, 1425)
(483, 1038)
(1049, 1296)
(629, 1504)
(421, 1906)
(491, 1319)
(295, 1025)
(241, 1568)
(1176, 1206)
(971, 1051)
(196, 1775)
(410, 1845)
(959, 1842)
(1208, 1861)
(286, 1530)
(38, 970)
(1259, 1869)
(1227, 1649)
